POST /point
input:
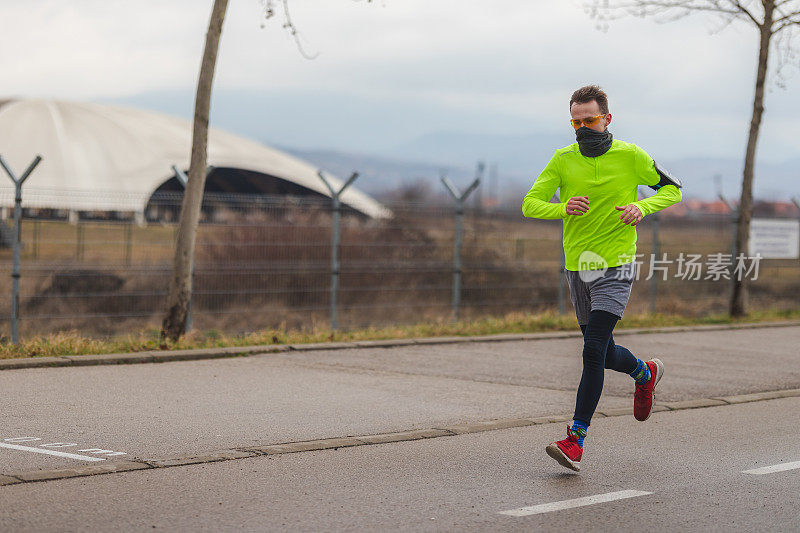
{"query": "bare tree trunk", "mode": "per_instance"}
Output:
(180, 287)
(739, 296)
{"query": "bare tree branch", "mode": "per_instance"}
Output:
(602, 10)
(676, 9)
(786, 19)
(780, 12)
(288, 24)
(747, 12)
(791, 17)
(689, 5)
(729, 19)
(787, 55)
(786, 25)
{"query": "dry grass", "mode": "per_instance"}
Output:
(73, 343)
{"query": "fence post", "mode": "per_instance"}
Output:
(79, 240)
(128, 243)
(36, 230)
(337, 208)
(655, 256)
(459, 197)
(15, 273)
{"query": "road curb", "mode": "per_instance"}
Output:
(402, 436)
(695, 404)
(224, 455)
(246, 351)
(365, 440)
(81, 471)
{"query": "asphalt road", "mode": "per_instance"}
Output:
(690, 462)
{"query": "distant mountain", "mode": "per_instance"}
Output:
(427, 158)
(381, 176)
(518, 154)
(519, 160)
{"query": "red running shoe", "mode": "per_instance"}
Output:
(643, 397)
(567, 452)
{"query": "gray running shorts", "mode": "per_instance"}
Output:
(592, 290)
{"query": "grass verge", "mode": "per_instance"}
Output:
(73, 343)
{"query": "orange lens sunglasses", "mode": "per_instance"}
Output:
(588, 121)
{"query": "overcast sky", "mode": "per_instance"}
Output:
(392, 70)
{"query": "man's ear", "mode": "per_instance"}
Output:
(608, 119)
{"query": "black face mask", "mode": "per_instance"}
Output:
(593, 143)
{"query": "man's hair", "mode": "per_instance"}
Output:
(589, 93)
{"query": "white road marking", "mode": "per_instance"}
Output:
(772, 469)
(100, 451)
(577, 502)
(50, 452)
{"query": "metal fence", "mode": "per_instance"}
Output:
(266, 262)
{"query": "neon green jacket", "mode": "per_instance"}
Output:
(609, 180)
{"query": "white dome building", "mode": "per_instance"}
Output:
(106, 158)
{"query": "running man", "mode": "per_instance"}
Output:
(600, 176)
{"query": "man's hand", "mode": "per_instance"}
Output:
(630, 214)
(577, 205)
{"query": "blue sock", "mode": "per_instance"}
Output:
(642, 373)
(579, 428)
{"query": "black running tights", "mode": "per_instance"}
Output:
(599, 353)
